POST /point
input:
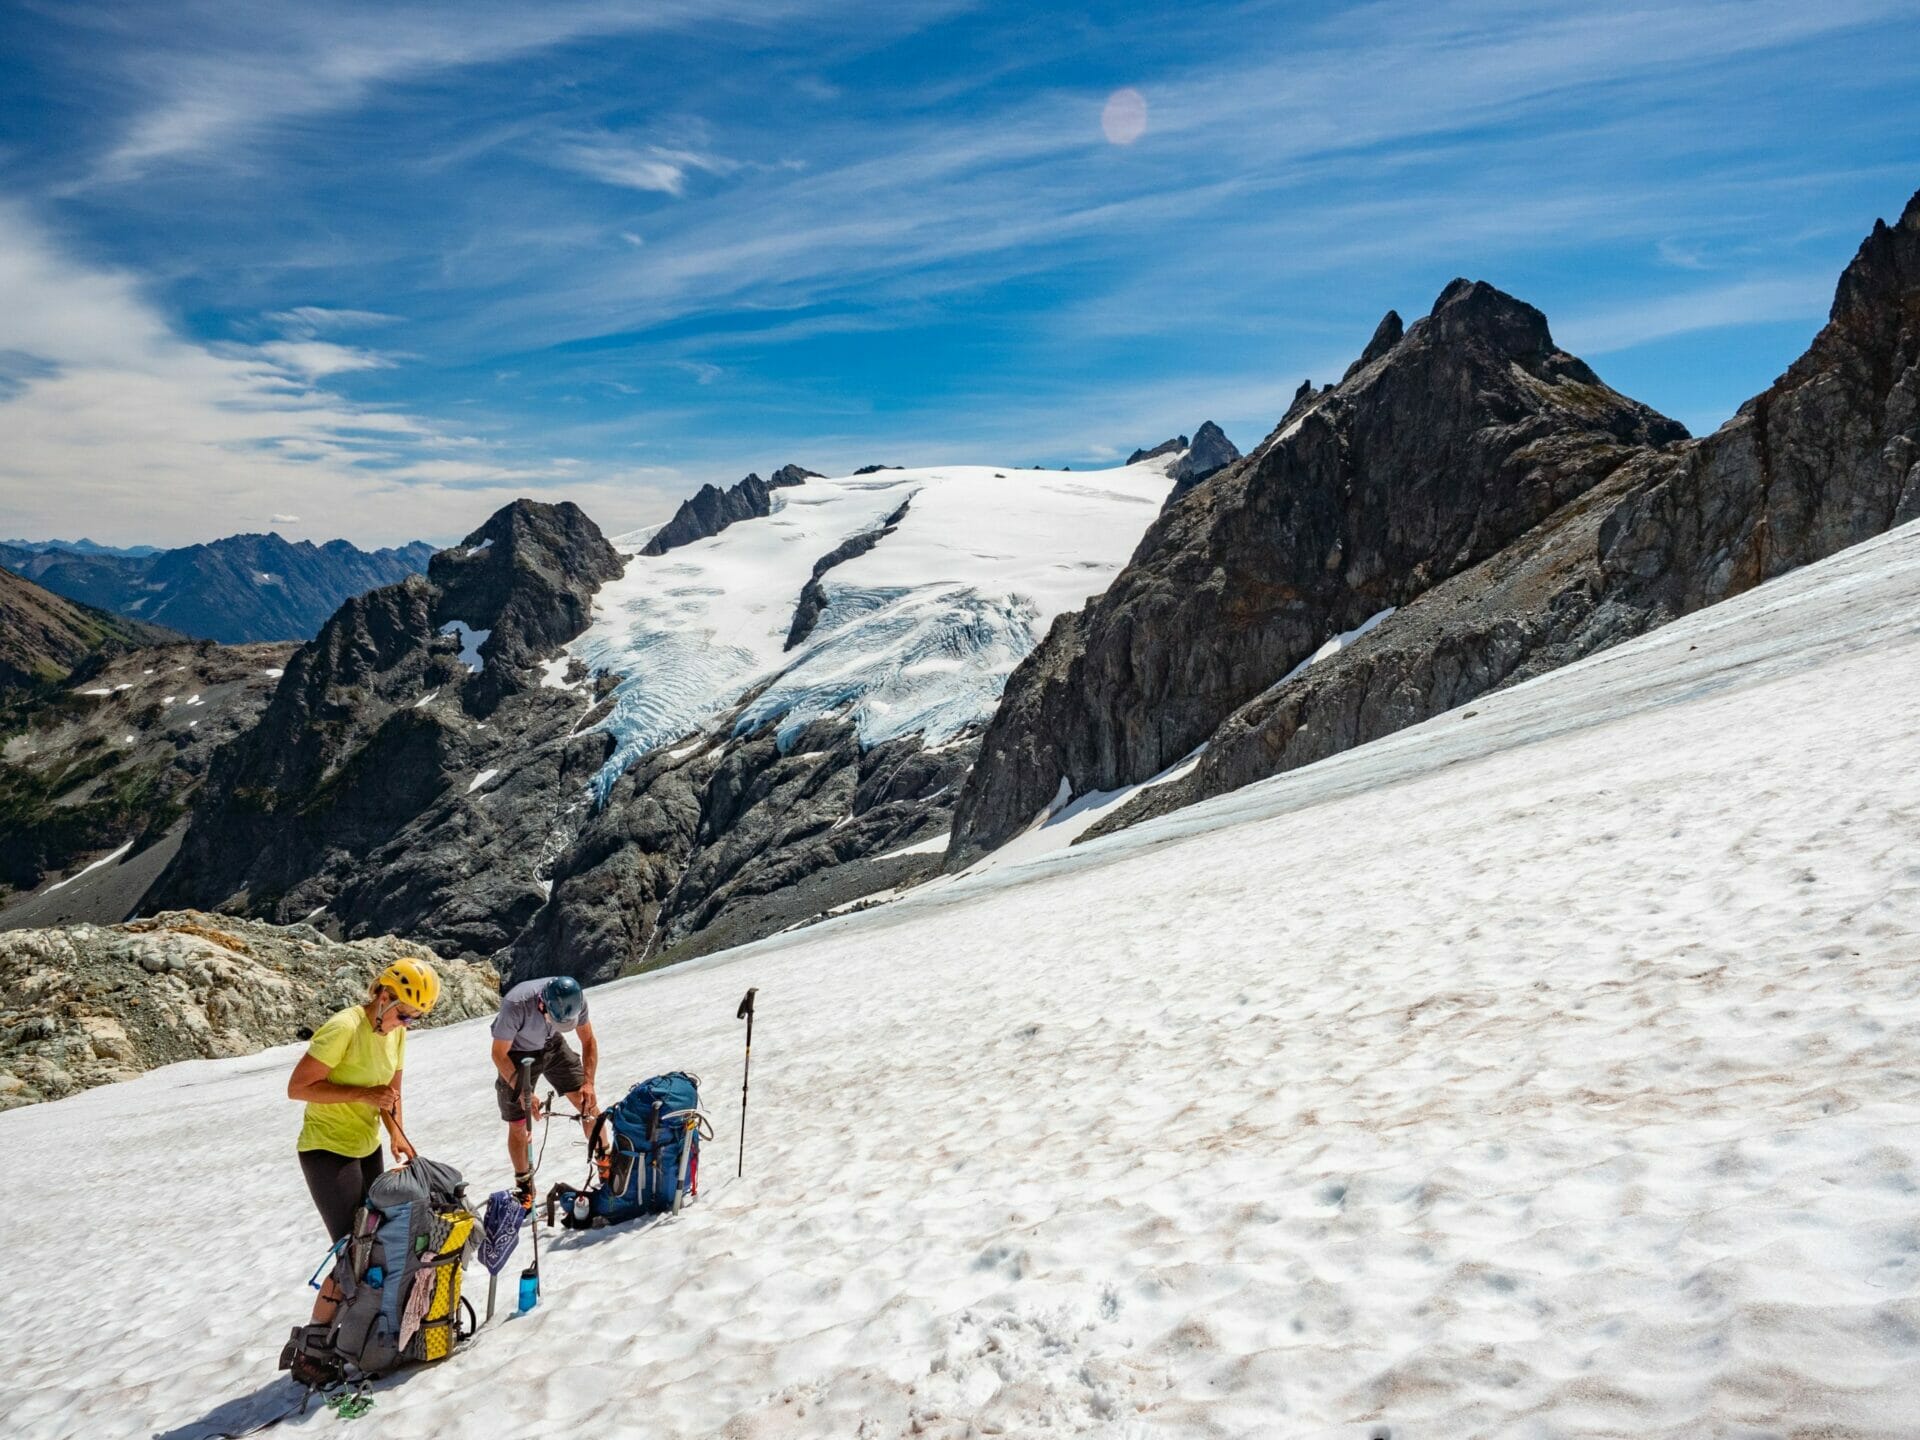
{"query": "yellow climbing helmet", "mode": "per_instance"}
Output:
(412, 983)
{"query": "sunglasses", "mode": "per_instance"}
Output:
(410, 1017)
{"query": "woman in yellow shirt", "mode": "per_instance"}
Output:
(350, 1078)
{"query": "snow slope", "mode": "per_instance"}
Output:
(1550, 1069)
(919, 634)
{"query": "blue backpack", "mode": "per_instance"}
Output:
(646, 1150)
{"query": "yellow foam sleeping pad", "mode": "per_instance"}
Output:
(438, 1330)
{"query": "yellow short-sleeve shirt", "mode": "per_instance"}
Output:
(353, 1055)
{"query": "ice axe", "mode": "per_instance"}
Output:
(745, 1012)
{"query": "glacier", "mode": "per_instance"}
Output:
(919, 633)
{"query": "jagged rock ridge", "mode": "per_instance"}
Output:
(712, 509)
(813, 596)
(1165, 447)
(1462, 435)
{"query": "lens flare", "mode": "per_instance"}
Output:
(1124, 120)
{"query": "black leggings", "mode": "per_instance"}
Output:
(339, 1184)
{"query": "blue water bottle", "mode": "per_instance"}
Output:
(529, 1289)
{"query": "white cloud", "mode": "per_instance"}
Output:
(286, 519)
(309, 320)
(310, 359)
(121, 428)
(634, 166)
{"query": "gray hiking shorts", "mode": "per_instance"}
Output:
(555, 1062)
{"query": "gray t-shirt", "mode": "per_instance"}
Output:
(523, 1024)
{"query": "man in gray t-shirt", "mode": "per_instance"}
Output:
(535, 1017)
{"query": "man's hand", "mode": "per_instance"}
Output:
(533, 1107)
(589, 1102)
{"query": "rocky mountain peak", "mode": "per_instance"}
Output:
(527, 577)
(1470, 311)
(792, 475)
(712, 509)
(1207, 454)
(1879, 283)
(1468, 430)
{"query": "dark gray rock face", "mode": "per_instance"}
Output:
(351, 791)
(1209, 453)
(1468, 430)
(712, 509)
(874, 469)
(1165, 447)
(813, 595)
(1827, 456)
(699, 851)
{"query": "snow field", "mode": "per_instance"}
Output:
(1551, 1069)
(919, 634)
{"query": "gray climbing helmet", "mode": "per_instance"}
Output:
(566, 1002)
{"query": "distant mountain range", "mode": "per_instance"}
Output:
(79, 547)
(243, 588)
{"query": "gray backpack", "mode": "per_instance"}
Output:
(399, 1271)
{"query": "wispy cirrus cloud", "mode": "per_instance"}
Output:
(215, 79)
(637, 166)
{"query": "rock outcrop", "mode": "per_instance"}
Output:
(87, 1005)
(1457, 438)
(813, 596)
(728, 840)
(712, 509)
(1207, 455)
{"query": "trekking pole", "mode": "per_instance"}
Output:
(530, 1277)
(745, 1012)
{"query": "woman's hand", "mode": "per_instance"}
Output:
(384, 1098)
(402, 1151)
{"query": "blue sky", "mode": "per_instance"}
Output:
(373, 269)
